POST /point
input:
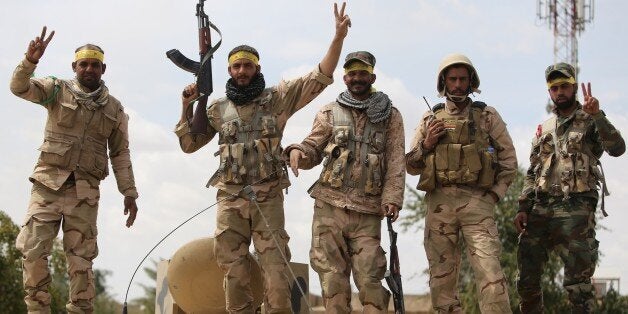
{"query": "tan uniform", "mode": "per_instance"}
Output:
(72, 162)
(458, 203)
(346, 229)
(249, 147)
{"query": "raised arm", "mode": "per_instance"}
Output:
(35, 90)
(343, 22)
(612, 141)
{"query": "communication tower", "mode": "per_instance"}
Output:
(567, 19)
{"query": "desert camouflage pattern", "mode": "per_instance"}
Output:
(238, 223)
(287, 98)
(238, 219)
(571, 233)
(564, 225)
(344, 242)
(463, 214)
(73, 208)
(73, 160)
(394, 170)
(77, 136)
(490, 123)
(346, 226)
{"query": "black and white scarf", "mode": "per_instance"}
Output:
(242, 95)
(91, 100)
(378, 106)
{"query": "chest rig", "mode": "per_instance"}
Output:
(463, 156)
(249, 151)
(345, 149)
(76, 135)
(565, 163)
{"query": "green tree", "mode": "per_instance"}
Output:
(554, 295)
(147, 302)
(613, 303)
(11, 292)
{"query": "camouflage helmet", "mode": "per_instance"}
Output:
(453, 59)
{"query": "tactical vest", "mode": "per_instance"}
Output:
(249, 152)
(76, 136)
(463, 156)
(341, 153)
(565, 162)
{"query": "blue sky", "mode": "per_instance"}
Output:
(507, 44)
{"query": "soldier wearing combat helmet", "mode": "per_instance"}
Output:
(360, 135)
(466, 161)
(250, 122)
(84, 122)
(560, 193)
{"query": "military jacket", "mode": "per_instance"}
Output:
(76, 136)
(564, 159)
(362, 177)
(465, 155)
(250, 134)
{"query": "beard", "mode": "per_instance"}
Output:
(457, 95)
(565, 103)
(360, 88)
(91, 82)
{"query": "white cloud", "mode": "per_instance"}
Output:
(407, 38)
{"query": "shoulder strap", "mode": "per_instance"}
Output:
(228, 111)
(479, 104)
(342, 116)
(438, 107)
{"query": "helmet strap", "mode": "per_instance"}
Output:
(456, 98)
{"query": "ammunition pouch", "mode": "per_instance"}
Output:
(427, 179)
(342, 155)
(486, 177)
(268, 158)
(231, 168)
(374, 173)
(335, 167)
(565, 165)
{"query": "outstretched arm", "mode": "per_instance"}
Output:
(343, 22)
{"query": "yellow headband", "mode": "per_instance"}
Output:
(560, 81)
(91, 54)
(243, 55)
(359, 66)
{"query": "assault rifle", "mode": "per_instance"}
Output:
(393, 273)
(202, 69)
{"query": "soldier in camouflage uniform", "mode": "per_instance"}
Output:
(466, 161)
(560, 194)
(250, 122)
(361, 137)
(83, 121)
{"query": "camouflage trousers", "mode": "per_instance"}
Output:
(345, 241)
(48, 211)
(570, 231)
(239, 222)
(460, 211)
